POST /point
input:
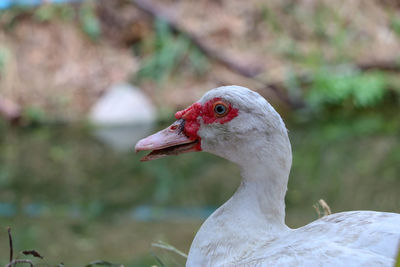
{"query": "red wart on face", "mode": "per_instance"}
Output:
(190, 115)
(181, 136)
(208, 112)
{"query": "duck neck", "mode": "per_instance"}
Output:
(264, 181)
(261, 194)
(253, 216)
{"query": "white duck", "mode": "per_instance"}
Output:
(249, 229)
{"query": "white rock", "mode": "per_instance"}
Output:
(122, 116)
(123, 104)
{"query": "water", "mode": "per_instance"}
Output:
(75, 198)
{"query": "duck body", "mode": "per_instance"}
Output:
(355, 238)
(239, 125)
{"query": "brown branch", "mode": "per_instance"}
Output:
(393, 66)
(247, 71)
(158, 12)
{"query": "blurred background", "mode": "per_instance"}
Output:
(82, 81)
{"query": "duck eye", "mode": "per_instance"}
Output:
(220, 109)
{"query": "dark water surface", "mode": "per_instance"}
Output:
(75, 199)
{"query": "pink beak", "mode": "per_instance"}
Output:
(170, 141)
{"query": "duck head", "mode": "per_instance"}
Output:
(230, 121)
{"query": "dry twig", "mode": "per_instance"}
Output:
(325, 207)
(16, 261)
(169, 247)
(11, 243)
(13, 261)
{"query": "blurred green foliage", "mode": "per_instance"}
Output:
(323, 49)
(85, 14)
(89, 22)
(168, 52)
(34, 115)
(49, 12)
(335, 87)
(395, 24)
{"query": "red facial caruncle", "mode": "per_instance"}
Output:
(182, 136)
(213, 111)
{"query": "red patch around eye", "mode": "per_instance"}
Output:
(206, 112)
(210, 117)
